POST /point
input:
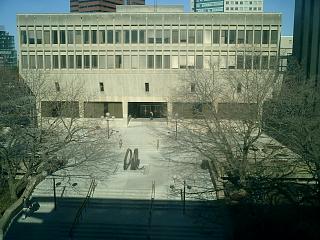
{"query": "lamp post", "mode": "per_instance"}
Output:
(108, 127)
(176, 118)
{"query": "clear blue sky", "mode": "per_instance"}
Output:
(9, 9)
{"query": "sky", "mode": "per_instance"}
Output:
(9, 9)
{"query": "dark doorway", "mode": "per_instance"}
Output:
(143, 109)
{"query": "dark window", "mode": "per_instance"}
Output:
(63, 61)
(183, 36)
(240, 36)
(118, 61)
(193, 87)
(110, 36)
(55, 61)
(265, 37)
(191, 36)
(175, 36)
(249, 36)
(142, 36)
(216, 36)
(248, 63)
(39, 36)
(54, 37)
(85, 36)
(257, 36)
(57, 86)
(23, 37)
(94, 61)
(240, 62)
(102, 36)
(70, 37)
(232, 36)
(31, 37)
(146, 87)
(101, 87)
(62, 37)
(94, 37)
(79, 61)
(134, 36)
(274, 36)
(126, 36)
(86, 61)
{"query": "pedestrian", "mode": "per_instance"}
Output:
(151, 115)
(120, 143)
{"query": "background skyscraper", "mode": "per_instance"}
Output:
(100, 5)
(8, 53)
(226, 6)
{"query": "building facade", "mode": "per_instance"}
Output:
(286, 45)
(306, 46)
(100, 5)
(226, 6)
(129, 63)
(8, 53)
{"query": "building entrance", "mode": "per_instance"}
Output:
(142, 110)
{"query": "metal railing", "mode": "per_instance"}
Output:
(82, 207)
(153, 195)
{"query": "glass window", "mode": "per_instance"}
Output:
(79, 61)
(158, 61)
(126, 62)
(257, 36)
(216, 36)
(232, 62)
(86, 39)
(86, 60)
(224, 36)
(240, 36)
(94, 37)
(248, 62)
(191, 36)
(47, 61)
(150, 35)
(256, 61)
(62, 37)
(166, 36)
(78, 36)
(166, 61)
(265, 37)
(71, 61)
(94, 61)
(118, 61)
(199, 62)
(110, 61)
(101, 86)
(175, 36)
(150, 61)
(63, 61)
(274, 36)
(264, 62)
(54, 36)
(159, 36)
(183, 36)
(249, 37)
(40, 61)
(102, 61)
(191, 61)
(215, 61)
(207, 37)
(146, 87)
(39, 36)
(223, 62)
(134, 62)
(183, 61)
(232, 37)
(23, 37)
(175, 62)
(126, 36)
(102, 36)
(46, 36)
(142, 36)
(110, 36)
(70, 37)
(55, 61)
(240, 61)
(142, 61)
(31, 37)
(199, 36)
(118, 39)
(32, 61)
(206, 62)
(134, 36)
(273, 62)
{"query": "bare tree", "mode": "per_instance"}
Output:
(227, 125)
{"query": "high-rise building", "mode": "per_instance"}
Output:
(8, 53)
(226, 6)
(100, 5)
(130, 63)
(306, 38)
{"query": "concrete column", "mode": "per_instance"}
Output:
(125, 113)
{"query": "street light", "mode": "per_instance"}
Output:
(176, 118)
(108, 127)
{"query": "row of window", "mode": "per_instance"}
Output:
(154, 36)
(239, 61)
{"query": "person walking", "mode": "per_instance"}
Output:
(151, 115)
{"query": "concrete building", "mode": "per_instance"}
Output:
(226, 6)
(8, 53)
(100, 5)
(129, 62)
(286, 45)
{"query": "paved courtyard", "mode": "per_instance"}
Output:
(122, 197)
